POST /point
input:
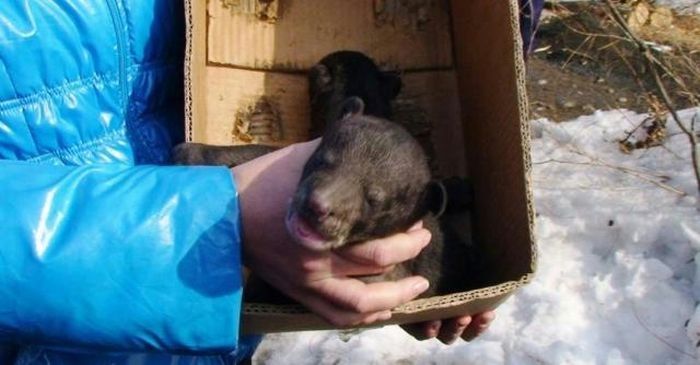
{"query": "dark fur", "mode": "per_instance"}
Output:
(345, 74)
(369, 172)
(203, 154)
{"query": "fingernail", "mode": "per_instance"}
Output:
(425, 236)
(420, 286)
(416, 226)
(385, 316)
(433, 329)
(464, 321)
(487, 318)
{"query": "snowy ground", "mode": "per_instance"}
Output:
(689, 6)
(617, 281)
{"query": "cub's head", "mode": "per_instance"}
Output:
(344, 74)
(368, 178)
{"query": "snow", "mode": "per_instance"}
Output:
(617, 281)
(690, 6)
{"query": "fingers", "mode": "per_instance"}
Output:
(381, 253)
(449, 330)
(342, 267)
(453, 328)
(339, 317)
(480, 323)
(379, 256)
(350, 302)
(354, 295)
(423, 330)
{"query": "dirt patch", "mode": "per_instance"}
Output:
(583, 63)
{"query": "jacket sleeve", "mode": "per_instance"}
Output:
(111, 257)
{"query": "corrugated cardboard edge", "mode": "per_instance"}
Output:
(281, 318)
(491, 296)
(194, 63)
(188, 71)
(524, 109)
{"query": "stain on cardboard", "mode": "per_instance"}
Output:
(409, 14)
(257, 122)
(264, 10)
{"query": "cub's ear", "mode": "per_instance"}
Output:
(352, 106)
(320, 79)
(391, 84)
(436, 198)
(460, 192)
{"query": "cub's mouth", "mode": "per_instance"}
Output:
(307, 235)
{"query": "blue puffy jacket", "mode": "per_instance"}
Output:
(100, 248)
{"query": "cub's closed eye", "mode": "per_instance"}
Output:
(374, 196)
(329, 158)
(326, 160)
(321, 162)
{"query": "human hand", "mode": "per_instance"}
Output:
(321, 281)
(449, 330)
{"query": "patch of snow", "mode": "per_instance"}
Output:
(688, 6)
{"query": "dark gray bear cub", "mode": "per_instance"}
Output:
(369, 177)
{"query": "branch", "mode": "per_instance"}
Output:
(595, 162)
(653, 64)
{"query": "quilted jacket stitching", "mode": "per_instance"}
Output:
(12, 105)
(131, 124)
(78, 149)
(35, 147)
(57, 91)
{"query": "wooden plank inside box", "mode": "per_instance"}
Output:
(475, 101)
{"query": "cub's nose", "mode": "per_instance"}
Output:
(319, 205)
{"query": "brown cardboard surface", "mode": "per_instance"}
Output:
(267, 319)
(408, 34)
(492, 93)
(475, 102)
(232, 92)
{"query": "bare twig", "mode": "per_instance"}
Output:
(656, 336)
(631, 69)
(637, 173)
(596, 162)
(636, 128)
(595, 35)
(576, 51)
(654, 64)
(691, 66)
(610, 44)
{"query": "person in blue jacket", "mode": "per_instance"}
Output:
(109, 257)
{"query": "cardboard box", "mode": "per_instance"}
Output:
(462, 67)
